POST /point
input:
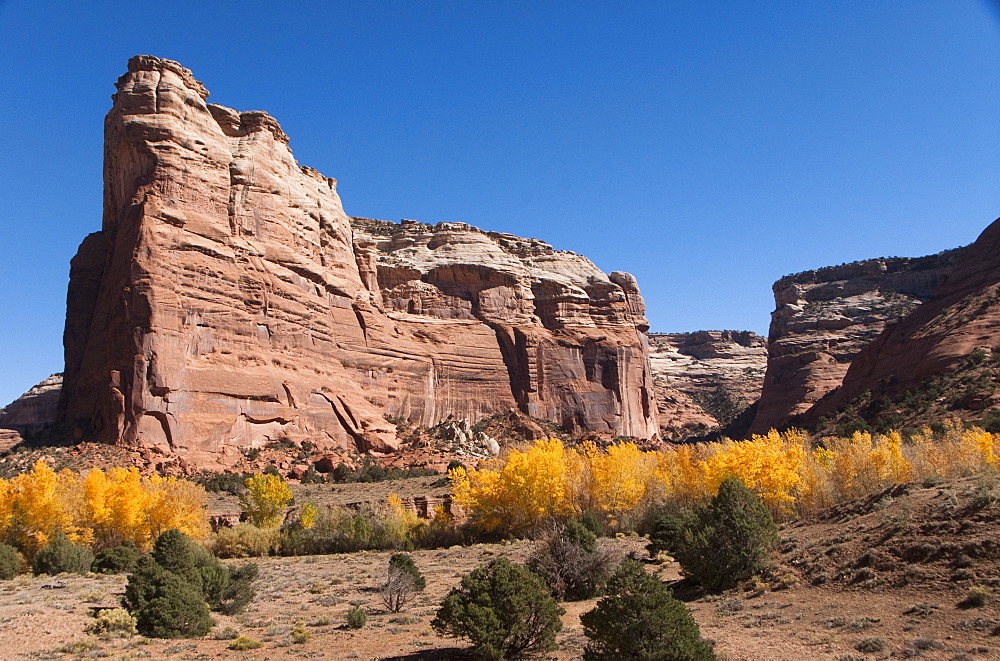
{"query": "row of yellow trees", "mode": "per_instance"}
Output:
(789, 471)
(98, 509)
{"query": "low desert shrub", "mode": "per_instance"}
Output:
(404, 563)
(369, 471)
(977, 597)
(242, 644)
(571, 562)
(667, 532)
(356, 617)
(441, 532)
(403, 581)
(229, 633)
(116, 559)
(300, 634)
(164, 603)
(504, 609)
(114, 623)
(231, 483)
(11, 562)
(640, 619)
(61, 555)
(245, 540)
(728, 541)
(872, 645)
(343, 530)
(225, 589)
(172, 589)
(238, 591)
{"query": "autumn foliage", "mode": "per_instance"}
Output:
(791, 472)
(265, 499)
(96, 509)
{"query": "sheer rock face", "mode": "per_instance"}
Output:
(824, 318)
(713, 369)
(938, 336)
(227, 301)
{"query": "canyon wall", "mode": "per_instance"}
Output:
(824, 318)
(229, 300)
(951, 343)
(703, 380)
(31, 412)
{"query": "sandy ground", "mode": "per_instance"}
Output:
(883, 577)
(46, 617)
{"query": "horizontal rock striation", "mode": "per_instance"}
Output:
(824, 318)
(704, 379)
(228, 300)
(31, 412)
(938, 338)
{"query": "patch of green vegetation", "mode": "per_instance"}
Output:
(373, 472)
(964, 389)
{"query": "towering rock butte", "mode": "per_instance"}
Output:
(703, 379)
(229, 300)
(936, 338)
(824, 318)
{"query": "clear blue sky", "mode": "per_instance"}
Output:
(708, 147)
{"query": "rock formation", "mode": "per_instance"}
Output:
(30, 412)
(704, 379)
(937, 339)
(824, 318)
(228, 301)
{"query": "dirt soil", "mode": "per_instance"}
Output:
(884, 577)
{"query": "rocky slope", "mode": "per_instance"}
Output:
(703, 380)
(941, 359)
(229, 300)
(824, 318)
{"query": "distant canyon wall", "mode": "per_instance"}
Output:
(228, 300)
(31, 412)
(703, 380)
(824, 318)
(952, 339)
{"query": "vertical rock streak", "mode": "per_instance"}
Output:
(229, 300)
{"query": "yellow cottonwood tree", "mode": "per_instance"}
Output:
(97, 509)
(265, 499)
(678, 475)
(35, 507)
(769, 465)
(116, 506)
(616, 479)
(307, 517)
(520, 494)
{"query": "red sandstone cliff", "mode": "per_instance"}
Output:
(824, 318)
(227, 300)
(936, 340)
(31, 412)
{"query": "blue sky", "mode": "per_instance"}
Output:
(707, 147)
